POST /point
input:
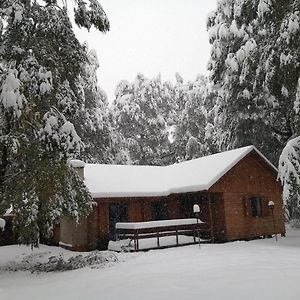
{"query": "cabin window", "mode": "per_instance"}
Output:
(256, 206)
(159, 210)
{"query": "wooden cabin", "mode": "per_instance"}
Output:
(232, 188)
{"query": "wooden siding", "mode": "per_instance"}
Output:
(139, 210)
(230, 211)
(73, 235)
(218, 216)
(250, 177)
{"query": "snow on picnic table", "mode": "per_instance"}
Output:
(154, 224)
(261, 269)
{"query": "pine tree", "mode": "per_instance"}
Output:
(42, 64)
(92, 122)
(147, 110)
(193, 135)
(289, 174)
(141, 116)
(254, 60)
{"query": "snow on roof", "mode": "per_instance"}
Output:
(76, 163)
(137, 181)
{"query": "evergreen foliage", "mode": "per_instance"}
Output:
(193, 136)
(289, 174)
(42, 81)
(255, 62)
(141, 111)
(92, 121)
(160, 123)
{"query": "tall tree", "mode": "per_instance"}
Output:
(42, 65)
(289, 174)
(92, 121)
(255, 61)
(193, 136)
(141, 115)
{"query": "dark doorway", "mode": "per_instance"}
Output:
(117, 213)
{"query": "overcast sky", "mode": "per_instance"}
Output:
(151, 37)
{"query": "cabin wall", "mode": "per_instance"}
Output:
(139, 210)
(93, 228)
(218, 216)
(250, 177)
(94, 233)
(73, 236)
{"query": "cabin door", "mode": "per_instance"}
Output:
(117, 213)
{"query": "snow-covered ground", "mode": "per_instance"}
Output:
(261, 269)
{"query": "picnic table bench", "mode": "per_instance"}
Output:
(157, 229)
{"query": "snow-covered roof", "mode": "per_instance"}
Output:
(76, 163)
(137, 181)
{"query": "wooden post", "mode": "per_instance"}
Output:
(136, 240)
(210, 218)
(176, 236)
(157, 238)
(274, 224)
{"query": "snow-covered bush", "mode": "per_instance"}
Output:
(57, 263)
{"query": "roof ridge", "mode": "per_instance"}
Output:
(105, 180)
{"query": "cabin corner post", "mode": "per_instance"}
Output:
(210, 218)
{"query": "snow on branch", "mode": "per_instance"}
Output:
(264, 7)
(58, 131)
(289, 166)
(2, 224)
(92, 16)
(10, 96)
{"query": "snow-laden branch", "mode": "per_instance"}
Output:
(2, 224)
(289, 166)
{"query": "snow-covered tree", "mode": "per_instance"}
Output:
(289, 174)
(255, 62)
(193, 135)
(92, 121)
(2, 224)
(42, 66)
(147, 110)
(141, 112)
